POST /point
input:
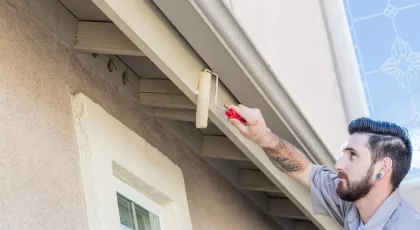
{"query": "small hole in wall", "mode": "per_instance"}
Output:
(94, 55)
(111, 65)
(125, 77)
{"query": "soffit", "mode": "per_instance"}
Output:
(85, 10)
(261, 191)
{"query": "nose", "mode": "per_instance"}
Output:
(339, 165)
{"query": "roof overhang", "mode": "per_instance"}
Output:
(223, 45)
(219, 43)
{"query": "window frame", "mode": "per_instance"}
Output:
(108, 150)
(139, 199)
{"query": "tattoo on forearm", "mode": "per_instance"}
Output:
(285, 156)
(285, 164)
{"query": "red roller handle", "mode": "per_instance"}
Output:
(230, 113)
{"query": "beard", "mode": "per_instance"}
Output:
(352, 191)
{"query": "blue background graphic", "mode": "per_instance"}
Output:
(386, 39)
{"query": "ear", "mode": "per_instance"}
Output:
(385, 167)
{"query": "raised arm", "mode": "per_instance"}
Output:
(284, 155)
(321, 180)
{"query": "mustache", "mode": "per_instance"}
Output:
(341, 175)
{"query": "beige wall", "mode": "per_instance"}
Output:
(41, 185)
(292, 37)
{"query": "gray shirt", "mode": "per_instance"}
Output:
(394, 213)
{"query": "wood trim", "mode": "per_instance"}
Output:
(283, 207)
(159, 86)
(105, 38)
(165, 101)
(149, 29)
(221, 147)
(255, 180)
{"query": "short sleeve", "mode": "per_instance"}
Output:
(324, 194)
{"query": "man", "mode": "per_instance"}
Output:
(364, 193)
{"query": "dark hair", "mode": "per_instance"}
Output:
(386, 140)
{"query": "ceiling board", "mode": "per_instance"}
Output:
(85, 10)
(143, 67)
(246, 165)
(275, 195)
(211, 130)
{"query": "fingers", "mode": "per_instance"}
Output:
(229, 106)
(239, 125)
(242, 110)
(251, 116)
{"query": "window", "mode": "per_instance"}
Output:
(125, 179)
(135, 217)
(136, 211)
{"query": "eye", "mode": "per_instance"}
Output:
(352, 154)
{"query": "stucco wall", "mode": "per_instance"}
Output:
(292, 37)
(40, 177)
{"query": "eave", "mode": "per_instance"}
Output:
(181, 53)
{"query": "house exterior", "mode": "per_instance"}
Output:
(98, 107)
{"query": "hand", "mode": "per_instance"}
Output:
(254, 128)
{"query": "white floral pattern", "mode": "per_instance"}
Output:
(373, 25)
(391, 11)
(406, 75)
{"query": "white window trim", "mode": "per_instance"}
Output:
(109, 149)
(140, 199)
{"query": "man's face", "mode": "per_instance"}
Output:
(355, 169)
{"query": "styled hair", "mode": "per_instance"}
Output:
(386, 140)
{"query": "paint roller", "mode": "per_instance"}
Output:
(203, 100)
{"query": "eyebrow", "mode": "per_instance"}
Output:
(349, 149)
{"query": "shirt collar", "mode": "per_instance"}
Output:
(380, 217)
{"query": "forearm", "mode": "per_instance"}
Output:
(287, 158)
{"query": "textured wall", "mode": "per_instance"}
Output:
(39, 169)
